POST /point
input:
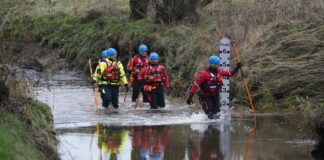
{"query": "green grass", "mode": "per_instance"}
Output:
(77, 38)
(16, 140)
(77, 41)
(40, 115)
(21, 133)
(285, 47)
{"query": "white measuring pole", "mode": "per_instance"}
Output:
(224, 55)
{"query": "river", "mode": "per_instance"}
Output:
(177, 132)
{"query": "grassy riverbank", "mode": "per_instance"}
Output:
(27, 132)
(281, 47)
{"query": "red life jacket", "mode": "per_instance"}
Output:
(154, 75)
(111, 73)
(211, 86)
(141, 63)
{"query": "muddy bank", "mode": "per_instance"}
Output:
(26, 128)
(29, 54)
(26, 125)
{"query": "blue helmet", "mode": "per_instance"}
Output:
(111, 51)
(143, 48)
(154, 56)
(214, 60)
(155, 157)
(144, 153)
(104, 53)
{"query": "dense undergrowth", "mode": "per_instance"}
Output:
(78, 38)
(286, 67)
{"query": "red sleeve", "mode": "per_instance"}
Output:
(224, 72)
(142, 73)
(200, 79)
(220, 82)
(166, 78)
(130, 64)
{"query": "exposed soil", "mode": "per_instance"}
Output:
(28, 55)
(31, 55)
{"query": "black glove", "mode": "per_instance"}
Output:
(129, 71)
(126, 87)
(127, 74)
(238, 65)
(168, 91)
(95, 85)
(93, 81)
(189, 99)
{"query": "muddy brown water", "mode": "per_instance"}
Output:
(178, 132)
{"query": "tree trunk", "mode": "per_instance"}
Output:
(170, 11)
(138, 9)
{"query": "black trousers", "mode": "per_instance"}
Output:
(137, 88)
(109, 94)
(156, 97)
(209, 103)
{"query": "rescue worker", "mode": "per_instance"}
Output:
(210, 81)
(110, 75)
(96, 80)
(155, 78)
(134, 66)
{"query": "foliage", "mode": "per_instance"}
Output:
(26, 125)
(29, 133)
(273, 50)
(15, 138)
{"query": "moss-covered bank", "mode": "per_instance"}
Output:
(26, 125)
(27, 132)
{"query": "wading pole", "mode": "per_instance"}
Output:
(244, 81)
(250, 142)
(95, 90)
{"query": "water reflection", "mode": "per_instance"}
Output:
(150, 142)
(112, 142)
(208, 146)
(215, 143)
(270, 138)
(189, 142)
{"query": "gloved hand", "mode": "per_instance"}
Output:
(168, 91)
(93, 81)
(126, 87)
(129, 71)
(238, 65)
(189, 99)
(95, 85)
